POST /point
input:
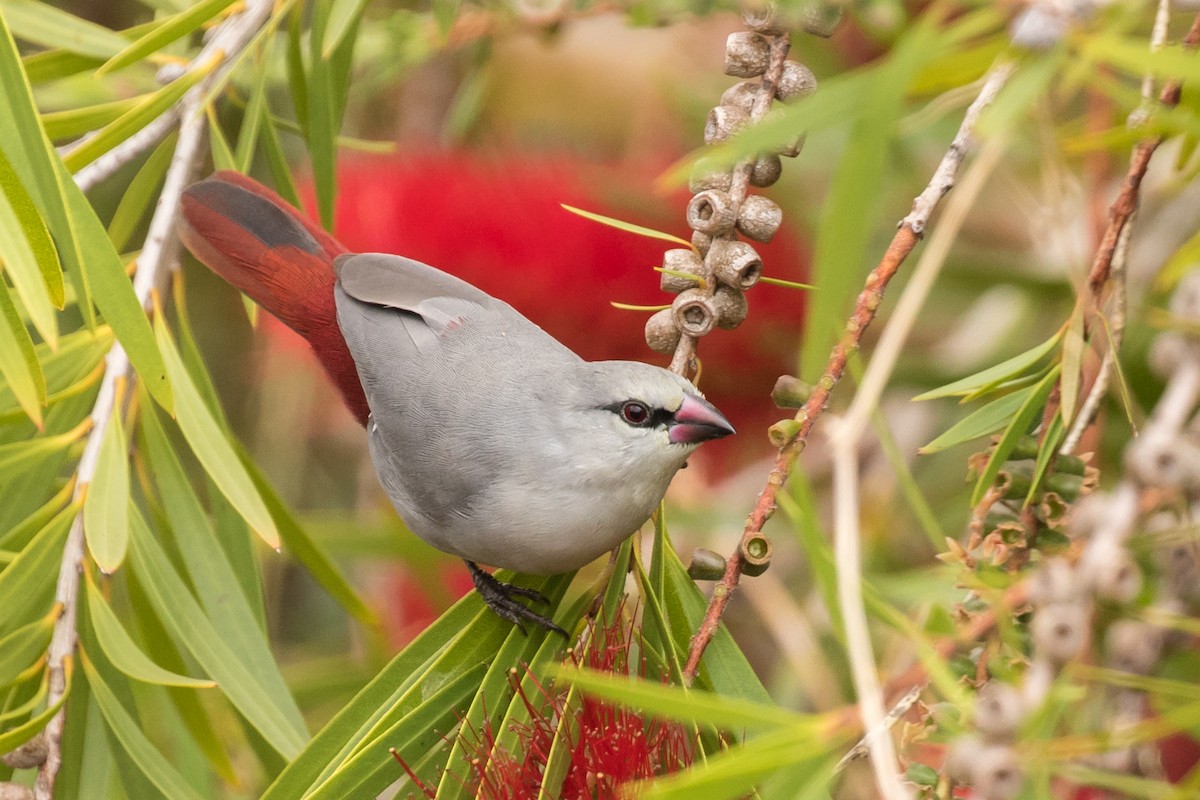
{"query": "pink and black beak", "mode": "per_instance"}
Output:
(696, 421)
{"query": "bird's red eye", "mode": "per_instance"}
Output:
(635, 413)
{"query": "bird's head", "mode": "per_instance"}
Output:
(643, 418)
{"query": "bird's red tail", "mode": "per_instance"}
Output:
(253, 239)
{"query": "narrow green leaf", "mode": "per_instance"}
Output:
(15, 737)
(211, 445)
(22, 648)
(222, 154)
(73, 122)
(41, 23)
(677, 703)
(128, 731)
(343, 15)
(29, 577)
(628, 227)
(1020, 424)
(170, 30)
(280, 726)
(106, 504)
(136, 118)
(277, 162)
(20, 456)
(1072, 365)
(786, 284)
(77, 353)
(993, 376)
(1047, 449)
(252, 119)
(123, 652)
(141, 193)
(980, 422)
(30, 256)
(18, 360)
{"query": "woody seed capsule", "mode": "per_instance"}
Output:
(821, 17)
(723, 122)
(741, 95)
(792, 150)
(765, 19)
(701, 241)
(795, 81)
(759, 218)
(735, 264)
(694, 313)
(685, 260)
(711, 212)
(731, 307)
(766, 171)
(746, 54)
(1060, 631)
(998, 710)
(701, 180)
(661, 332)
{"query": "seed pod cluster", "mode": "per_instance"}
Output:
(710, 280)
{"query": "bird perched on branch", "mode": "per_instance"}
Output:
(494, 442)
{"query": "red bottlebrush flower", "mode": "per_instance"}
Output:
(609, 746)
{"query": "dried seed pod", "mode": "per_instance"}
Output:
(701, 241)
(790, 392)
(661, 332)
(1115, 578)
(694, 313)
(765, 19)
(792, 150)
(998, 710)
(766, 170)
(746, 54)
(1162, 459)
(795, 81)
(962, 757)
(735, 264)
(683, 260)
(1060, 631)
(821, 17)
(741, 95)
(702, 179)
(711, 212)
(706, 565)
(756, 555)
(731, 307)
(1133, 646)
(723, 122)
(759, 217)
(29, 755)
(998, 774)
(1089, 514)
(1038, 27)
(15, 791)
(1186, 300)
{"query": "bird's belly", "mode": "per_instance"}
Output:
(547, 540)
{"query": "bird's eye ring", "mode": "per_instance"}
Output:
(635, 413)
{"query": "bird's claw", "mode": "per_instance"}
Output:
(500, 598)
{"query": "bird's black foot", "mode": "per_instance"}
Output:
(500, 597)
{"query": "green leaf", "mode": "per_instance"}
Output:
(222, 154)
(29, 255)
(142, 192)
(984, 380)
(123, 652)
(77, 353)
(139, 116)
(18, 360)
(343, 16)
(1072, 365)
(15, 737)
(170, 30)
(128, 731)
(106, 504)
(677, 703)
(980, 422)
(1047, 449)
(29, 578)
(256, 105)
(20, 649)
(1020, 424)
(276, 718)
(211, 446)
(628, 227)
(73, 122)
(19, 456)
(277, 162)
(41, 23)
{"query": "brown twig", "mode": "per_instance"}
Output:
(910, 231)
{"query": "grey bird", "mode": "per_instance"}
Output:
(494, 441)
